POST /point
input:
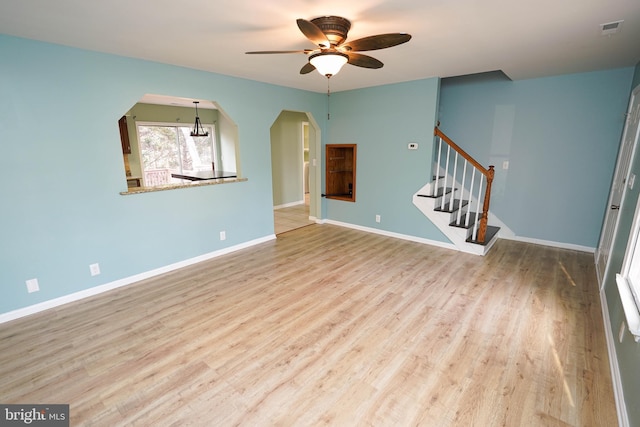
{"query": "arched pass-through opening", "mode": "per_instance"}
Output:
(295, 166)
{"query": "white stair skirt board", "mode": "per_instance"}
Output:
(456, 235)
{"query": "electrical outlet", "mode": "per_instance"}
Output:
(32, 285)
(223, 235)
(413, 146)
(377, 218)
(94, 269)
(621, 332)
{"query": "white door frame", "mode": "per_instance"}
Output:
(304, 126)
(619, 186)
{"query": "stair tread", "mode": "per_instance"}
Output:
(439, 193)
(457, 204)
(491, 232)
(472, 219)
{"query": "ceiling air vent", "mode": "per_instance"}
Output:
(611, 28)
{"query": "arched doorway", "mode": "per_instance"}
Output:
(295, 164)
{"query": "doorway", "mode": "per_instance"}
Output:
(619, 185)
(294, 156)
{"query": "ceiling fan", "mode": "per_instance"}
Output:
(329, 33)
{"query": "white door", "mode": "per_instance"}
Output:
(619, 184)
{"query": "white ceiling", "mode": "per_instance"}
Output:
(523, 38)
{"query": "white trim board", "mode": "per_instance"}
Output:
(446, 245)
(618, 391)
(288, 205)
(96, 290)
(550, 243)
(507, 234)
(392, 234)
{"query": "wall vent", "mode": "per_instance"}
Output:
(611, 27)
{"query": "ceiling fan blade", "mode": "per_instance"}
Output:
(380, 41)
(279, 51)
(364, 61)
(313, 33)
(308, 67)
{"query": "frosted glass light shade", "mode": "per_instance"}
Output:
(328, 63)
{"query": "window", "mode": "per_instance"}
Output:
(629, 278)
(169, 149)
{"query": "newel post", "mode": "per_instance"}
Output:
(482, 230)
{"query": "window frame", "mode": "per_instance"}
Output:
(215, 149)
(628, 280)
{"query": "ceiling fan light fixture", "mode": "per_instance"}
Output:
(328, 63)
(198, 130)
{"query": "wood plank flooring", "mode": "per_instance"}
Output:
(292, 217)
(328, 326)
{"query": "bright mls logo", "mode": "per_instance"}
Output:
(34, 415)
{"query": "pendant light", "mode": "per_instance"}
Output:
(198, 130)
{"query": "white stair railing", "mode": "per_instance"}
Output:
(464, 161)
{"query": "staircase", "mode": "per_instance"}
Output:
(457, 200)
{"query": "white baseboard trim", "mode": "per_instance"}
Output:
(618, 392)
(550, 243)
(391, 234)
(96, 290)
(507, 234)
(288, 205)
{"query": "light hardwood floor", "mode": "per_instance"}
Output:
(293, 217)
(328, 326)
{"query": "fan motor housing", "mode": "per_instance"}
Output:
(334, 27)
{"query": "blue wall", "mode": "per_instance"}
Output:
(560, 135)
(383, 121)
(62, 170)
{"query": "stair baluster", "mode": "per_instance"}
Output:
(475, 224)
(464, 179)
(435, 189)
(453, 184)
(446, 177)
(468, 217)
